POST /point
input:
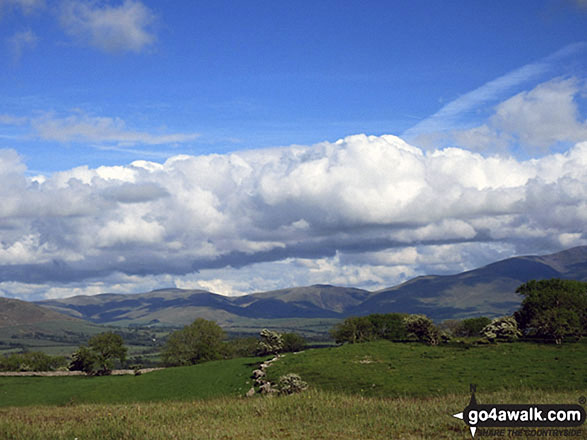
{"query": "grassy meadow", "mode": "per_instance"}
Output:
(378, 390)
(387, 369)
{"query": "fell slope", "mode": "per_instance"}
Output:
(489, 290)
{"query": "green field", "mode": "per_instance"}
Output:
(212, 379)
(378, 390)
(387, 369)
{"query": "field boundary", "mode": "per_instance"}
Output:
(71, 373)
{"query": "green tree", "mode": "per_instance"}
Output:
(553, 309)
(471, 327)
(353, 330)
(240, 347)
(388, 326)
(31, 361)
(292, 342)
(83, 359)
(198, 342)
(106, 348)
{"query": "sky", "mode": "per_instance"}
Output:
(240, 146)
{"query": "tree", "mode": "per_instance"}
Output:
(388, 326)
(99, 355)
(423, 328)
(369, 328)
(83, 359)
(270, 343)
(553, 308)
(471, 326)
(198, 342)
(353, 330)
(292, 342)
(107, 347)
(504, 328)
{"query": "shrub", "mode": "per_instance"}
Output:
(83, 359)
(423, 329)
(504, 328)
(291, 383)
(368, 328)
(471, 327)
(271, 343)
(32, 361)
(240, 347)
(292, 342)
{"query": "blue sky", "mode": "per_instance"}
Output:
(88, 88)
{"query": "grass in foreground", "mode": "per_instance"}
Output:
(386, 369)
(310, 415)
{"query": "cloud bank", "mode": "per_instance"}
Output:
(357, 211)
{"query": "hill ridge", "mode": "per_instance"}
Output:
(488, 290)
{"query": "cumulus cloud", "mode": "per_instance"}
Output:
(114, 29)
(100, 130)
(457, 112)
(535, 120)
(543, 116)
(365, 211)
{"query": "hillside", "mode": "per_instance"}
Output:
(14, 312)
(24, 324)
(489, 290)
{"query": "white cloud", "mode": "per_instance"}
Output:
(122, 28)
(452, 115)
(12, 120)
(543, 116)
(366, 211)
(100, 130)
(535, 120)
(26, 6)
(20, 41)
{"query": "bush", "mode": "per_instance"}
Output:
(270, 343)
(369, 328)
(32, 361)
(240, 347)
(423, 329)
(292, 342)
(504, 328)
(84, 360)
(291, 383)
(471, 327)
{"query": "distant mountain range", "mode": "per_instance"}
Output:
(488, 291)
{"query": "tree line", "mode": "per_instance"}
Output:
(551, 309)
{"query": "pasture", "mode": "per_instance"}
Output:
(378, 390)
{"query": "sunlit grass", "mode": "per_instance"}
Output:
(310, 415)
